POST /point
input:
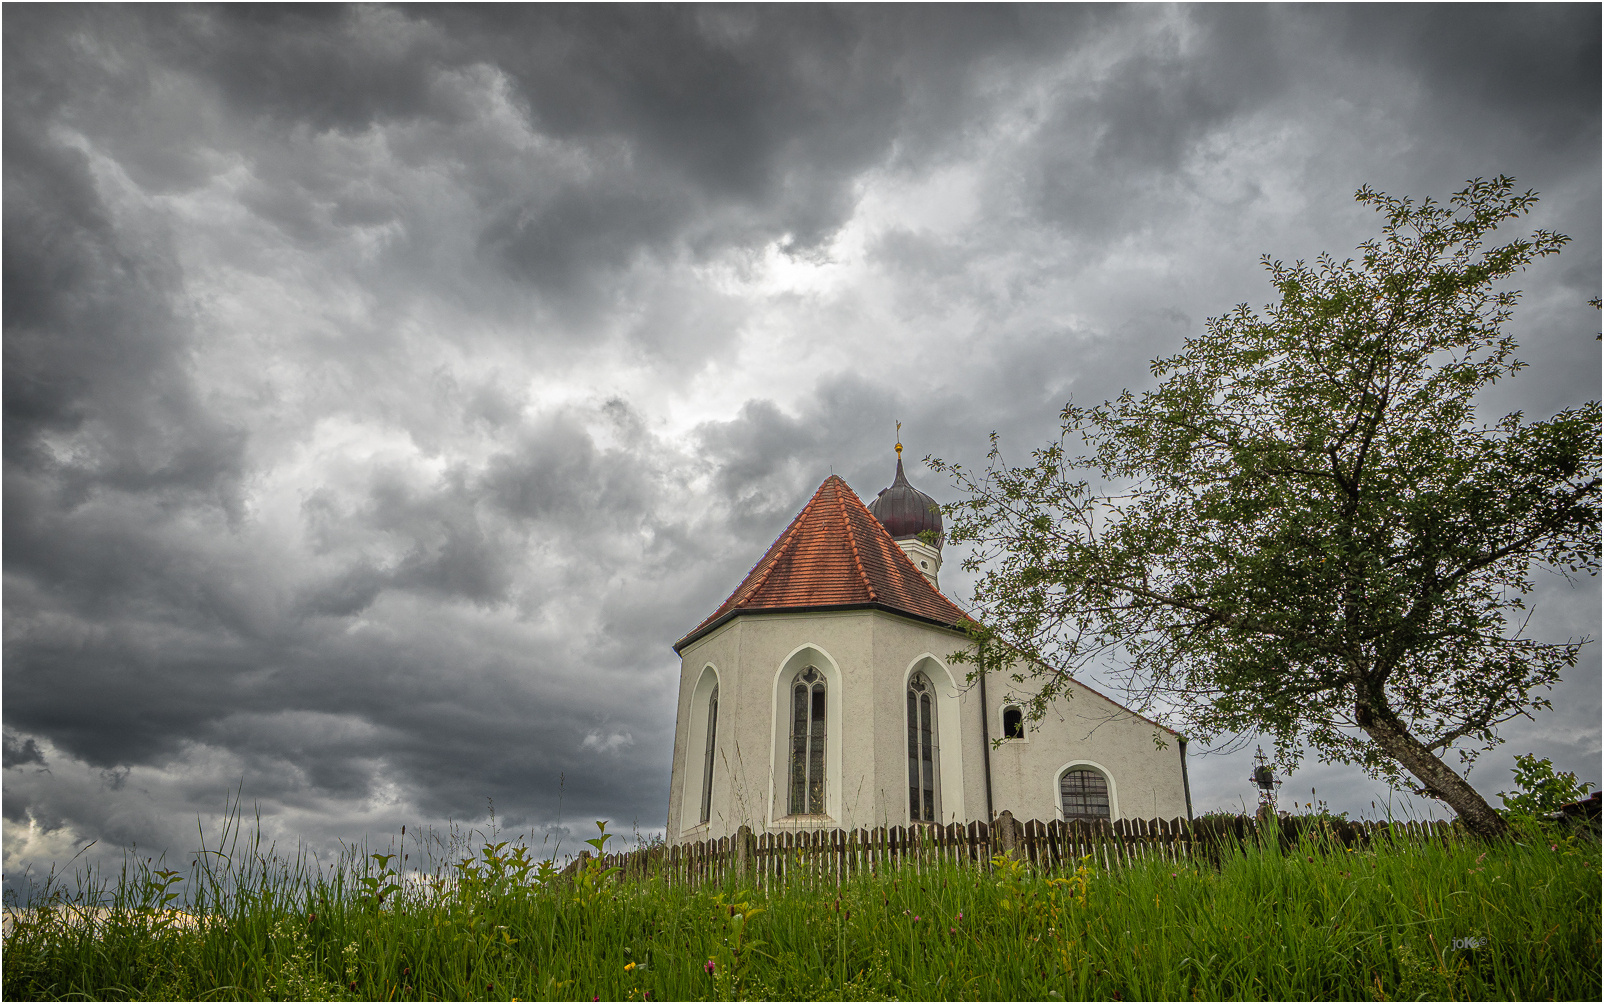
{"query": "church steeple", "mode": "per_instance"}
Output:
(912, 518)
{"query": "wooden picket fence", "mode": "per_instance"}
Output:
(836, 855)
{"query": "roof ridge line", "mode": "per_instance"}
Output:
(895, 553)
(778, 549)
(852, 541)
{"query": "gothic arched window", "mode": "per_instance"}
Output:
(1083, 794)
(921, 751)
(807, 743)
(707, 759)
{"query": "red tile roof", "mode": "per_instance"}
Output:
(834, 554)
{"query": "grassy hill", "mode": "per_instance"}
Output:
(1455, 921)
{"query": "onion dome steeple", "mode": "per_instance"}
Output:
(907, 513)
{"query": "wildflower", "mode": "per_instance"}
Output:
(960, 915)
(629, 967)
(916, 918)
(711, 967)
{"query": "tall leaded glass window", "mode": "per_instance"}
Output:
(1083, 794)
(707, 757)
(921, 751)
(807, 743)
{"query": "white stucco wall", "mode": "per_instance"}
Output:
(866, 657)
(1085, 729)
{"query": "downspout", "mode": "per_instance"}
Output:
(1186, 784)
(985, 734)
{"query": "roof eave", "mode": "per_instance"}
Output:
(711, 626)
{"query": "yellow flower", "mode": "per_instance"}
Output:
(629, 967)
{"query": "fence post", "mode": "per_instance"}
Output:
(1005, 834)
(744, 851)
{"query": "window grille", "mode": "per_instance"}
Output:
(1083, 794)
(707, 759)
(1013, 723)
(807, 743)
(921, 751)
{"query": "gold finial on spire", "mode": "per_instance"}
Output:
(899, 440)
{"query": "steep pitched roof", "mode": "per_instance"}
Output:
(835, 554)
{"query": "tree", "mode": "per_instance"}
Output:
(1539, 789)
(1310, 534)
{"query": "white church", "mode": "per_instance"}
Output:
(822, 695)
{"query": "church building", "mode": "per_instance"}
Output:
(822, 695)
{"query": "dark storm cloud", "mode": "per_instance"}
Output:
(1532, 66)
(1488, 77)
(19, 753)
(320, 486)
(719, 125)
(696, 127)
(93, 347)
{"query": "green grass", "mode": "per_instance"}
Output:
(1393, 923)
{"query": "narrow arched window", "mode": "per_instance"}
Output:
(921, 751)
(707, 758)
(1083, 794)
(807, 743)
(1013, 722)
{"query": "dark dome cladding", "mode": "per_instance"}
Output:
(905, 511)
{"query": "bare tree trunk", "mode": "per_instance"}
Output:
(1438, 779)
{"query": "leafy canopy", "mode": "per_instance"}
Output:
(1309, 533)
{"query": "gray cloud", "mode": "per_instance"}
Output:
(387, 388)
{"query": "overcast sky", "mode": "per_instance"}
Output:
(387, 389)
